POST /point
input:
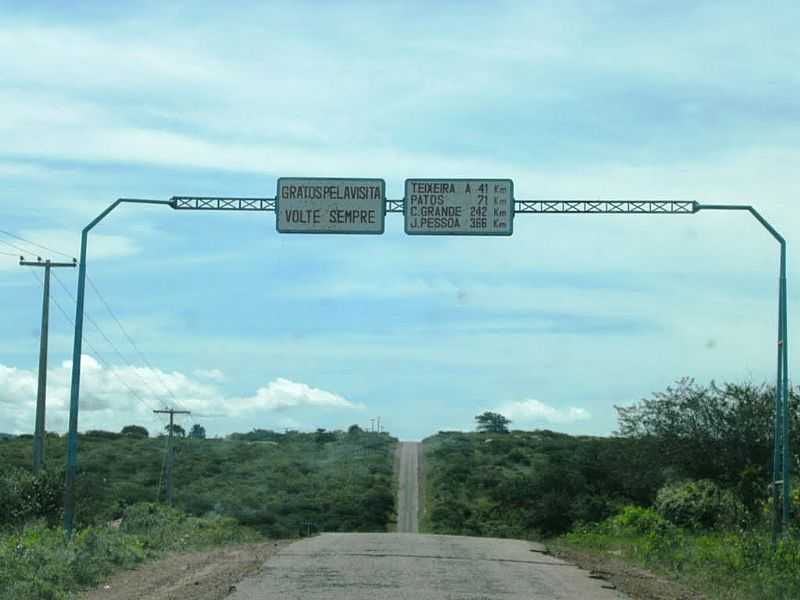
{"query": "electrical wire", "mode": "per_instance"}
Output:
(133, 344)
(23, 250)
(107, 339)
(139, 353)
(40, 246)
(100, 357)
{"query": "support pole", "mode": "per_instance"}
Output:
(170, 450)
(781, 447)
(77, 346)
(786, 393)
(41, 390)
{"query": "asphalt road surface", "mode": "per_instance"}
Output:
(395, 566)
(408, 488)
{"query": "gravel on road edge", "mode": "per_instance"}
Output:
(638, 583)
(202, 575)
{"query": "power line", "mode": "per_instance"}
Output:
(23, 250)
(101, 358)
(107, 339)
(10, 254)
(139, 353)
(40, 246)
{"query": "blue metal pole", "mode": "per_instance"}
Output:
(785, 393)
(781, 448)
(778, 445)
(75, 389)
(72, 432)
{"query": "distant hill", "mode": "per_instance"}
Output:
(7, 436)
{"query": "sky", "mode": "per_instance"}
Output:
(219, 314)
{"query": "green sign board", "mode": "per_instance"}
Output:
(330, 205)
(459, 206)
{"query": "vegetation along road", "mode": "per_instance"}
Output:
(356, 566)
(408, 488)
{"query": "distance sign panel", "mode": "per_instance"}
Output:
(459, 206)
(330, 205)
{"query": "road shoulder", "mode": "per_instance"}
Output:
(636, 582)
(202, 575)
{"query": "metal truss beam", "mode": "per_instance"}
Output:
(629, 207)
(395, 206)
(211, 203)
(605, 207)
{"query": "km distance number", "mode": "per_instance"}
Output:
(477, 211)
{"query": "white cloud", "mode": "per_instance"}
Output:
(531, 411)
(283, 394)
(115, 396)
(212, 374)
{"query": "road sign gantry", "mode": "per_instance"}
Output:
(455, 197)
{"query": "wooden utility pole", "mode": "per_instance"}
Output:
(170, 450)
(41, 392)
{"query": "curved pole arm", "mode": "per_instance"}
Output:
(748, 208)
(781, 454)
(74, 399)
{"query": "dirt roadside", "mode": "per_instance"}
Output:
(636, 582)
(207, 575)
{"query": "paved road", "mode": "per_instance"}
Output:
(397, 566)
(408, 488)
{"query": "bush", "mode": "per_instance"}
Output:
(24, 496)
(135, 431)
(38, 562)
(637, 520)
(164, 528)
(698, 504)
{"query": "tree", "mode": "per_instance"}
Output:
(492, 422)
(135, 431)
(717, 432)
(197, 432)
(176, 430)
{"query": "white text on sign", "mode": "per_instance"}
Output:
(459, 206)
(319, 205)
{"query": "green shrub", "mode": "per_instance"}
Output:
(37, 562)
(698, 504)
(24, 496)
(637, 520)
(163, 528)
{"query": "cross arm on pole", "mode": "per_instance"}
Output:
(45, 263)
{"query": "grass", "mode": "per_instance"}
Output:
(729, 565)
(38, 562)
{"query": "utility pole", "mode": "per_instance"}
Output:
(170, 450)
(41, 392)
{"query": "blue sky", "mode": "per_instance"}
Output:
(250, 328)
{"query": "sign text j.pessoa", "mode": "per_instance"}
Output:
(459, 206)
